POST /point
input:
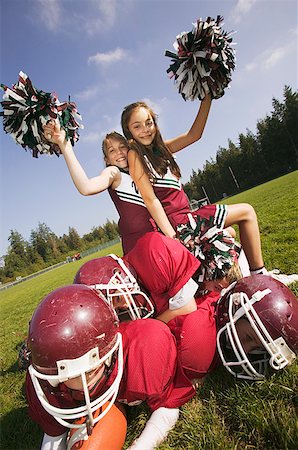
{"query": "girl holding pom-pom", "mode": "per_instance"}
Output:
(156, 174)
(135, 219)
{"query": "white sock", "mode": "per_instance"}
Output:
(243, 264)
(262, 271)
(157, 428)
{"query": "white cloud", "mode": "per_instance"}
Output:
(108, 10)
(50, 13)
(275, 57)
(269, 58)
(103, 17)
(91, 137)
(107, 58)
(90, 17)
(293, 31)
(242, 7)
(87, 93)
(250, 67)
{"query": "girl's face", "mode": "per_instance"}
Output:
(116, 153)
(141, 126)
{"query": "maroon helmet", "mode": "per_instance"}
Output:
(117, 280)
(269, 326)
(73, 332)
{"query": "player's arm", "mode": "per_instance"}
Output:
(196, 130)
(145, 188)
(157, 428)
(169, 314)
(110, 176)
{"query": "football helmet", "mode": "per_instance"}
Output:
(118, 282)
(72, 332)
(271, 310)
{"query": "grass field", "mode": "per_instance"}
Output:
(225, 414)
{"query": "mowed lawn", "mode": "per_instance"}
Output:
(225, 414)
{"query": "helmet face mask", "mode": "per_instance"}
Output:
(270, 314)
(111, 276)
(74, 337)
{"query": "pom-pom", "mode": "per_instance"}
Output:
(215, 248)
(204, 60)
(25, 111)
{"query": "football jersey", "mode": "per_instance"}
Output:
(163, 267)
(196, 337)
(150, 375)
(150, 366)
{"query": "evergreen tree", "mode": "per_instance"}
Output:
(74, 240)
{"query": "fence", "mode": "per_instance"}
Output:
(47, 269)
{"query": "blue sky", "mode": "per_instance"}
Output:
(107, 54)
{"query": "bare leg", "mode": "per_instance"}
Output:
(231, 231)
(243, 215)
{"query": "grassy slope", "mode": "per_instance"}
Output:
(276, 203)
(225, 414)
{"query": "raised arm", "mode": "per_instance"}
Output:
(145, 188)
(196, 130)
(110, 176)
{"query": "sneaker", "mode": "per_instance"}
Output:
(285, 279)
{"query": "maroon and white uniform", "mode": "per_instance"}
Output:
(150, 375)
(150, 366)
(196, 337)
(135, 219)
(169, 191)
(163, 267)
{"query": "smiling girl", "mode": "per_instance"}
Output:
(135, 219)
(153, 167)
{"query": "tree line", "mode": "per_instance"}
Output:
(256, 158)
(44, 248)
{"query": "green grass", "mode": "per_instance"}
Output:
(276, 203)
(224, 415)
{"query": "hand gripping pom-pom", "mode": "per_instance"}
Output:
(25, 111)
(204, 60)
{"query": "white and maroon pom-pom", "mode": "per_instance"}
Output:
(25, 111)
(204, 60)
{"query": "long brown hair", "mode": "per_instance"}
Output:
(157, 153)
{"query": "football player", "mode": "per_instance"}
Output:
(165, 268)
(83, 360)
